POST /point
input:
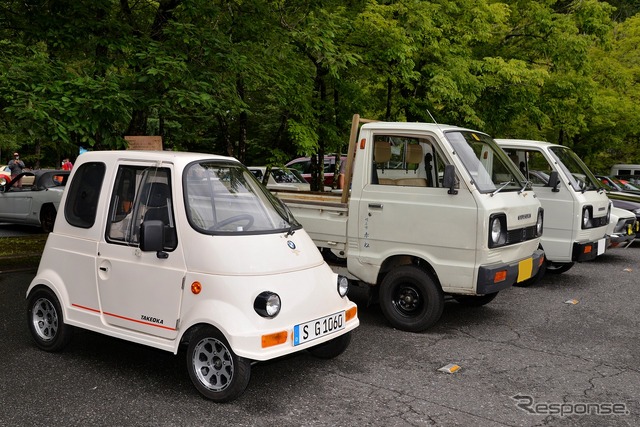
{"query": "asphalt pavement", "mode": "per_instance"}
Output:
(563, 353)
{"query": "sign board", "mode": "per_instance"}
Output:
(144, 142)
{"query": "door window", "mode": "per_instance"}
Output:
(141, 194)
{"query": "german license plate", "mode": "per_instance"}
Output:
(525, 267)
(309, 331)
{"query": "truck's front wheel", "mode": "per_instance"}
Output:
(215, 370)
(410, 299)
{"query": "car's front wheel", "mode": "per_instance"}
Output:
(47, 218)
(215, 370)
(46, 321)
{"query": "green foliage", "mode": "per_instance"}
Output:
(267, 80)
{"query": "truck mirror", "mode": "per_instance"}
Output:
(554, 181)
(152, 237)
(449, 179)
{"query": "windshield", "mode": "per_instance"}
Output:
(626, 185)
(580, 177)
(286, 176)
(225, 198)
(489, 167)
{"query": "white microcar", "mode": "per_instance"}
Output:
(172, 249)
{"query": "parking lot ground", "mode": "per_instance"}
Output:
(527, 359)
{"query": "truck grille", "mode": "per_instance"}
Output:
(521, 235)
(599, 222)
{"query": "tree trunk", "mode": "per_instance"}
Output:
(242, 124)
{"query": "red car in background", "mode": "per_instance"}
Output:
(303, 165)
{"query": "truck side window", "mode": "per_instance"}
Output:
(140, 194)
(406, 162)
(537, 167)
(84, 194)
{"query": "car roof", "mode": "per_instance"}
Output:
(181, 158)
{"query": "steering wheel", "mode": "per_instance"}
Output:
(237, 218)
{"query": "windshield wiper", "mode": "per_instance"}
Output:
(502, 185)
(525, 184)
(290, 219)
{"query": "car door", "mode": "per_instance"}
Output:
(138, 290)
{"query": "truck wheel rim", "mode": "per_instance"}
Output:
(407, 300)
(45, 319)
(213, 364)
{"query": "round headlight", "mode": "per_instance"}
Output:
(267, 304)
(496, 230)
(343, 285)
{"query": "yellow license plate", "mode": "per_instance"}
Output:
(525, 267)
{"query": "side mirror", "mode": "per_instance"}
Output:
(554, 181)
(152, 237)
(449, 179)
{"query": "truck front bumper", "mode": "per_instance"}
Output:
(496, 277)
(616, 239)
(587, 251)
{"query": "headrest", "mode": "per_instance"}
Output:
(155, 194)
(414, 153)
(382, 152)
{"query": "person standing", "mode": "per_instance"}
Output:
(66, 164)
(16, 166)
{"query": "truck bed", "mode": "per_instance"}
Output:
(323, 216)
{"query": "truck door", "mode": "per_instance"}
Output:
(405, 210)
(139, 290)
(559, 206)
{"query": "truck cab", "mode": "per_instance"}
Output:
(577, 209)
(171, 249)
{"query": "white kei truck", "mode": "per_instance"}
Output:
(577, 209)
(431, 210)
(183, 250)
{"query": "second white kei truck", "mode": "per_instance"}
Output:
(577, 209)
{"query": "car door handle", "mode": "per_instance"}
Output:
(375, 205)
(104, 269)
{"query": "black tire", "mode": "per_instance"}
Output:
(47, 218)
(215, 370)
(46, 321)
(333, 348)
(475, 300)
(559, 267)
(410, 299)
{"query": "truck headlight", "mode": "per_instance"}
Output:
(539, 222)
(343, 285)
(497, 230)
(586, 217)
(267, 304)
